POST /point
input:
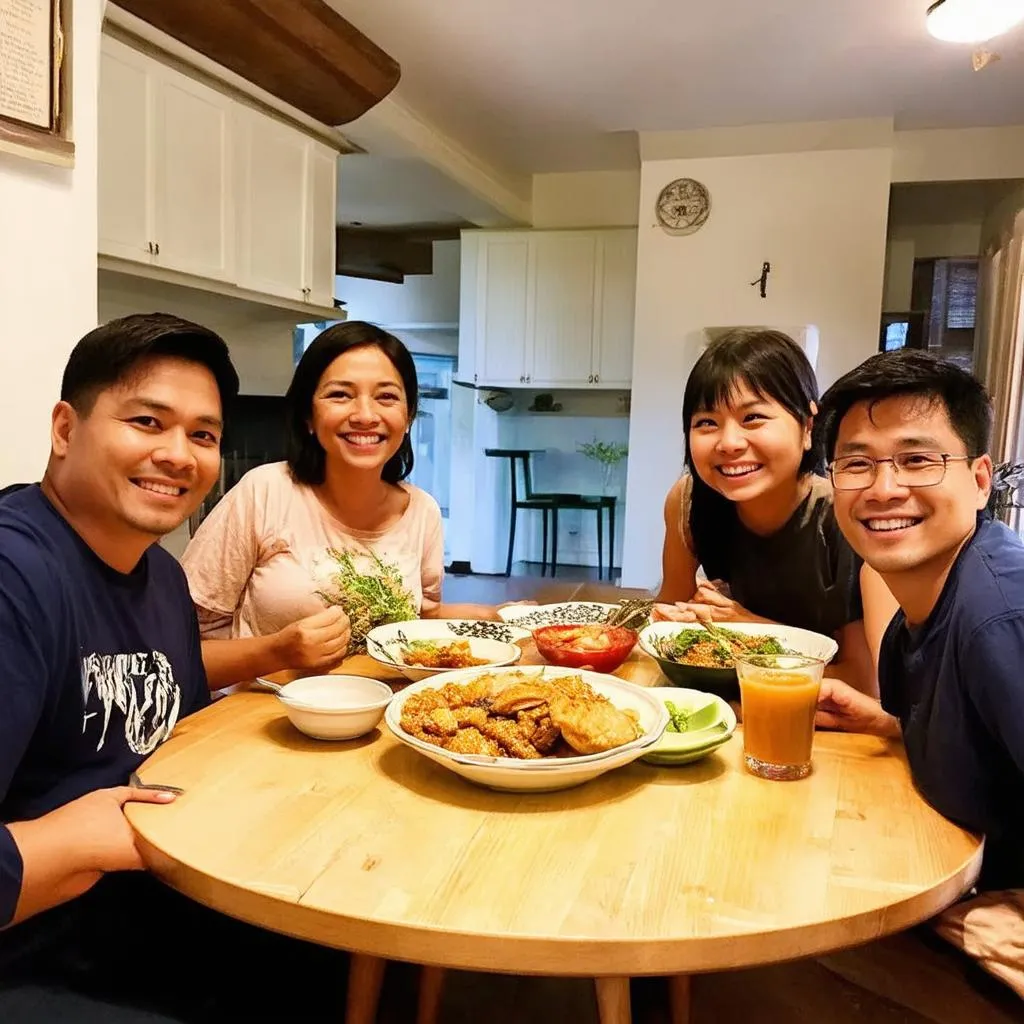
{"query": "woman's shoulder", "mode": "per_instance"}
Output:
(422, 504)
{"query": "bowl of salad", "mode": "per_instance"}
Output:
(691, 655)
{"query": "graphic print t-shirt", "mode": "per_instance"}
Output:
(96, 667)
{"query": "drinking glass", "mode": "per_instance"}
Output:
(779, 696)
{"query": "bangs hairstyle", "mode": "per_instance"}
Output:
(307, 459)
(910, 373)
(117, 350)
(772, 366)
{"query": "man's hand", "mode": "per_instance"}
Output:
(317, 642)
(840, 706)
(67, 851)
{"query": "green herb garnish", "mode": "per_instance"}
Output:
(369, 599)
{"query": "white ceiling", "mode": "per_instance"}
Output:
(561, 84)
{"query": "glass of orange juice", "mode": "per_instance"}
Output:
(779, 695)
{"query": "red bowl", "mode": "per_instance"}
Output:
(608, 659)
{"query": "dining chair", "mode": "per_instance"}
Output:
(549, 503)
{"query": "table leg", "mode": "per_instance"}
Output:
(365, 976)
(613, 1000)
(679, 998)
(428, 1009)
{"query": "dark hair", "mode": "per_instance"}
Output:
(910, 372)
(306, 457)
(773, 366)
(114, 351)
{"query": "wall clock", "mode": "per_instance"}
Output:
(683, 206)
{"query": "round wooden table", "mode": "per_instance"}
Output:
(368, 846)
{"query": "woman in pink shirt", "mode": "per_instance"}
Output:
(301, 558)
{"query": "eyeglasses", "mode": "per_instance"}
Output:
(912, 469)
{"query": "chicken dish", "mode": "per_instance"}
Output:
(431, 654)
(582, 639)
(517, 715)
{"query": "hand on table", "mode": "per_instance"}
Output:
(842, 707)
(708, 602)
(319, 641)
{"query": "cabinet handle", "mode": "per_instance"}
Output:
(597, 378)
(590, 379)
(156, 248)
(528, 378)
(305, 294)
(149, 245)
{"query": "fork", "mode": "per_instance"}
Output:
(136, 783)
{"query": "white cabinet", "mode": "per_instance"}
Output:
(127, 86)
(286, 224)
(547, 308)
(193, 202)
(192, 181)
(165, 194)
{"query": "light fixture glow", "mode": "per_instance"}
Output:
(973, 21)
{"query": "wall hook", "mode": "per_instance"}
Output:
(766, 269)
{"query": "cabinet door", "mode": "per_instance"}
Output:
(321, 224)
(193, 198)
(563, 330)
(125, 140)
(613, 338)
(503, 313)
(273, 178)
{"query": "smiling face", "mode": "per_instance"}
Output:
(898, 529)
(142, 459)
(748, 446)
(360, 410)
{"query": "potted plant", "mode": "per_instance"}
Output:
(608, 454)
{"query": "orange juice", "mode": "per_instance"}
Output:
(779, 701)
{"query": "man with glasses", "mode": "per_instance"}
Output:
(908, 438)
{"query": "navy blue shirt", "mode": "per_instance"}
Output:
(956, 683)
(96, 667)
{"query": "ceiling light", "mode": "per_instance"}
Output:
(973, 21)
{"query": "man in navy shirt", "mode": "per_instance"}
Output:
(99, 659)
(908, 438)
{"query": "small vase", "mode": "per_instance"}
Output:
(608, 478)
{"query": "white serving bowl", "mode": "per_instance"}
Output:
(335, 707)
(562, 613)
(516, 776)
(494, 641)
(722, 681)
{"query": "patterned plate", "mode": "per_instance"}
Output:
(565, 613)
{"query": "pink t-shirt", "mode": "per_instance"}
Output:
(267, 554)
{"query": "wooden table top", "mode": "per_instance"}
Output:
(371, 847)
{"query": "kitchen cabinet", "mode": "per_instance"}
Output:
(547, 308)
(286, 229)
(165, 194)
(193, 181)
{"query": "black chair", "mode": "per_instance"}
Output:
(549, 503)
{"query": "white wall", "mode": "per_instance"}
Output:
(47, 267)
(587, 199)
(259, 337)
(819, 218)
(420, 299)
(958, 154)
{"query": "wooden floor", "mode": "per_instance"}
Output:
(525, 584)
(901, 985)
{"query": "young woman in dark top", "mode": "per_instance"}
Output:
(753, 510)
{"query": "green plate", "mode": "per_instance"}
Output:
(711, 723)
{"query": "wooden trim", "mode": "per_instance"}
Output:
(51, 145)
(302, 51)
(139, 35)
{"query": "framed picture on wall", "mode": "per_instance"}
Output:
(35, 87)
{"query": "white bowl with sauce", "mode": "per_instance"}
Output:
(335, 707)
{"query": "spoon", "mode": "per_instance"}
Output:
(383, 650)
